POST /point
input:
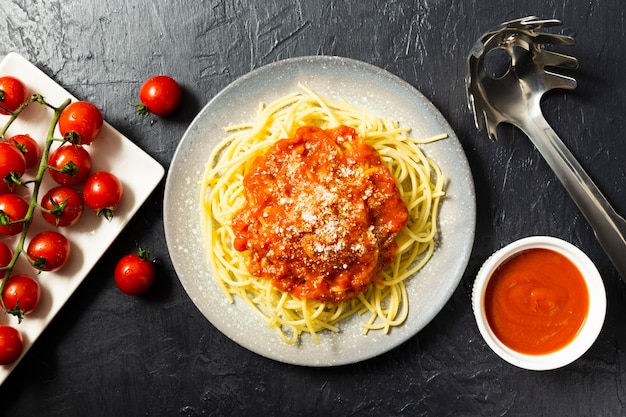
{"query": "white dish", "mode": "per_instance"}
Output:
(588, 332)
(363, 85)
(140, 174)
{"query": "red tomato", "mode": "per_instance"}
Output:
(12, 165)
(82, 120)
(13, 208)
(159, 95)
(11, 344)
(102, 193)
(21, 294)
(6, 254)
(134, 273)
(12, 94)
(62, 206)
(48, 251)
(69, 164)
(29, 148)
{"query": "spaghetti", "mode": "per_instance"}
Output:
(384, 304)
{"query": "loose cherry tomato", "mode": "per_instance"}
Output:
(80, 122)
(11, 344)
(102, 193)
(64, 205)
(6, 254)
(29, 148)
(48, 251)
(13, 93)
(21, 295)
(13, 208)
(159, 95)
(134, 273)
(12, 166)
(69, 164)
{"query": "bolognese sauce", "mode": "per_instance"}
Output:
(321, 214)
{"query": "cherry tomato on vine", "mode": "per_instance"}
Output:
(69, 164)
(134, 273)
(102, 193)
(81, 122)
(13, 208)
(64, 206)
(13, 93)
(29, 148)
(21, 294)
(11, 344)
(159, 95)
(6, 254)
(12, 166)
(48, 251)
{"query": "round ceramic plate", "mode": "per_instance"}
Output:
(362, 85)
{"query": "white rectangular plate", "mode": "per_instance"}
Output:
(92, 235)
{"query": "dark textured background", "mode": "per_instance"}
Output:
(106, 354)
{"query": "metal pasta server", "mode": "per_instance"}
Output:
(512, 93)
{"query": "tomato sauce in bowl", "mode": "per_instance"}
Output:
(539, 303)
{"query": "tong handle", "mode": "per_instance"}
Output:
(608, 226)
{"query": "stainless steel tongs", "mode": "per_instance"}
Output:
(510, 91)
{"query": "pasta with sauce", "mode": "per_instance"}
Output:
(384, 304)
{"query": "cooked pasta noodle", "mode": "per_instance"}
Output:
(421, 183)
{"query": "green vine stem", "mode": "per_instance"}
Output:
(43, 165)
(12, 116)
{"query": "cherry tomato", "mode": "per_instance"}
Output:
(159, 95)
(69, 164)
(6, 254)
(134, 273)
(48, 251)
(13, 208)
(29, 148)
(12, 94)
(81, 122)
(11, 344)
(64, 205)
(21, 294)
(12, 165)
(102, 193)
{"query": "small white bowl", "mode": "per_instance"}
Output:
(587, 334)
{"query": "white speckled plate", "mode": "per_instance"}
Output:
(363, 85)
(91, 236)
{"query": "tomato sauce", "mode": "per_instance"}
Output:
(537, 302)
(321, 215)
